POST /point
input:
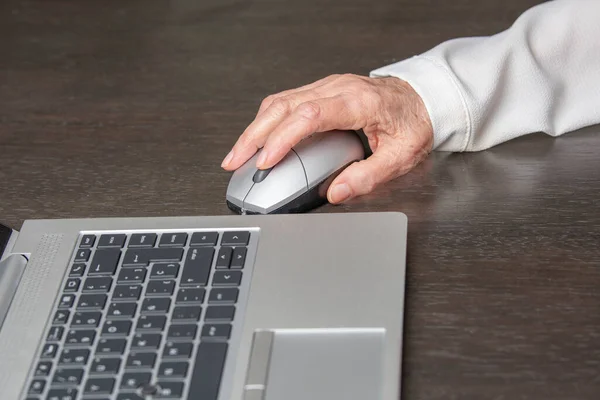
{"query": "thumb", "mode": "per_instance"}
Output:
(362, 177)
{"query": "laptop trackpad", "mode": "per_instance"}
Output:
(316, 364)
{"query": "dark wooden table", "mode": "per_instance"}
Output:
(126, 108)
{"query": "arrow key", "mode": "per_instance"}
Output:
(224, 257)
(235, 238)
(239, 258)
(227, 278)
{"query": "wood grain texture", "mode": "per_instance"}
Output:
(126, 108)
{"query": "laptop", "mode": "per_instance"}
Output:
(269, 307)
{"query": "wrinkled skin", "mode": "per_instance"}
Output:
(388, 110)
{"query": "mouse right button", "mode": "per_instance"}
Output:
(326, 152)
(285, 182)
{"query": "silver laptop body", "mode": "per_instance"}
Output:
(319, 307)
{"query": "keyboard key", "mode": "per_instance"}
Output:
(116, 328)
(172, 370)
(206, 378)
(98, 284)
(132, 275)
(142, 240)
(146, 341)
(105, 262)
(197, 266)
(68, 376)
(145, 256)
(105, 366)
(122, 310)
(178, 349)
(87, 241)
(227, 278)
(49, 350)
(117, 240)
(92, 301)
(62, 394)
(160, 288)
(151, 323)
(71, 357)
(220, 331)
(111, 346)
(204, 239)
(55, 334)
(187, 313)
(163, 271)
(182, 332)
(170, 390)
(239, 258)
(173, 239)
(224, 257)
(223, 295)
(66, 301)
(82, 255)
(89, 319)
(220, 313)
(37, 386)
(61, 317)
(72, 285)
(141, 360)
(43, 368)
(133, 380)
(99, 386)
(235, 238)
(77, 270)
(190, 295)
(156, 305)
(80, 337)
(126, 292)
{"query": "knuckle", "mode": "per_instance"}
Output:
(367, 181)
(309, 110)
(268, 100)
(281, 105)
(247, 139)
(370, 184)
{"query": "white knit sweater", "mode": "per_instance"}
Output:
(540, 75)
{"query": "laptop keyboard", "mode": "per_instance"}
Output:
(144, 316)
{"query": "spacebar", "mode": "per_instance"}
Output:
(206, 379)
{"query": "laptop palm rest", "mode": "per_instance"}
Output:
(316, 364)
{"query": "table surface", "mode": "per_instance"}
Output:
(126, 108)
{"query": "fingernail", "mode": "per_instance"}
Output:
(227, 159)
(340, 193)
(262, 159)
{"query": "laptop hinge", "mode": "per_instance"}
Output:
(12, 267)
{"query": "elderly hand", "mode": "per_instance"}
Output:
(388, 110)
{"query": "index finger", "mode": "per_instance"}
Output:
(256, 134)
(320, 115)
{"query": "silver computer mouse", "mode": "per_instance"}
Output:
(299, 182)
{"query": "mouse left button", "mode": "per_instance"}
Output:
(241, 182)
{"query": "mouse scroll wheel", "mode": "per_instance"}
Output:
(261, 174)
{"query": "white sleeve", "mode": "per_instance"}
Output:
(540, 75)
